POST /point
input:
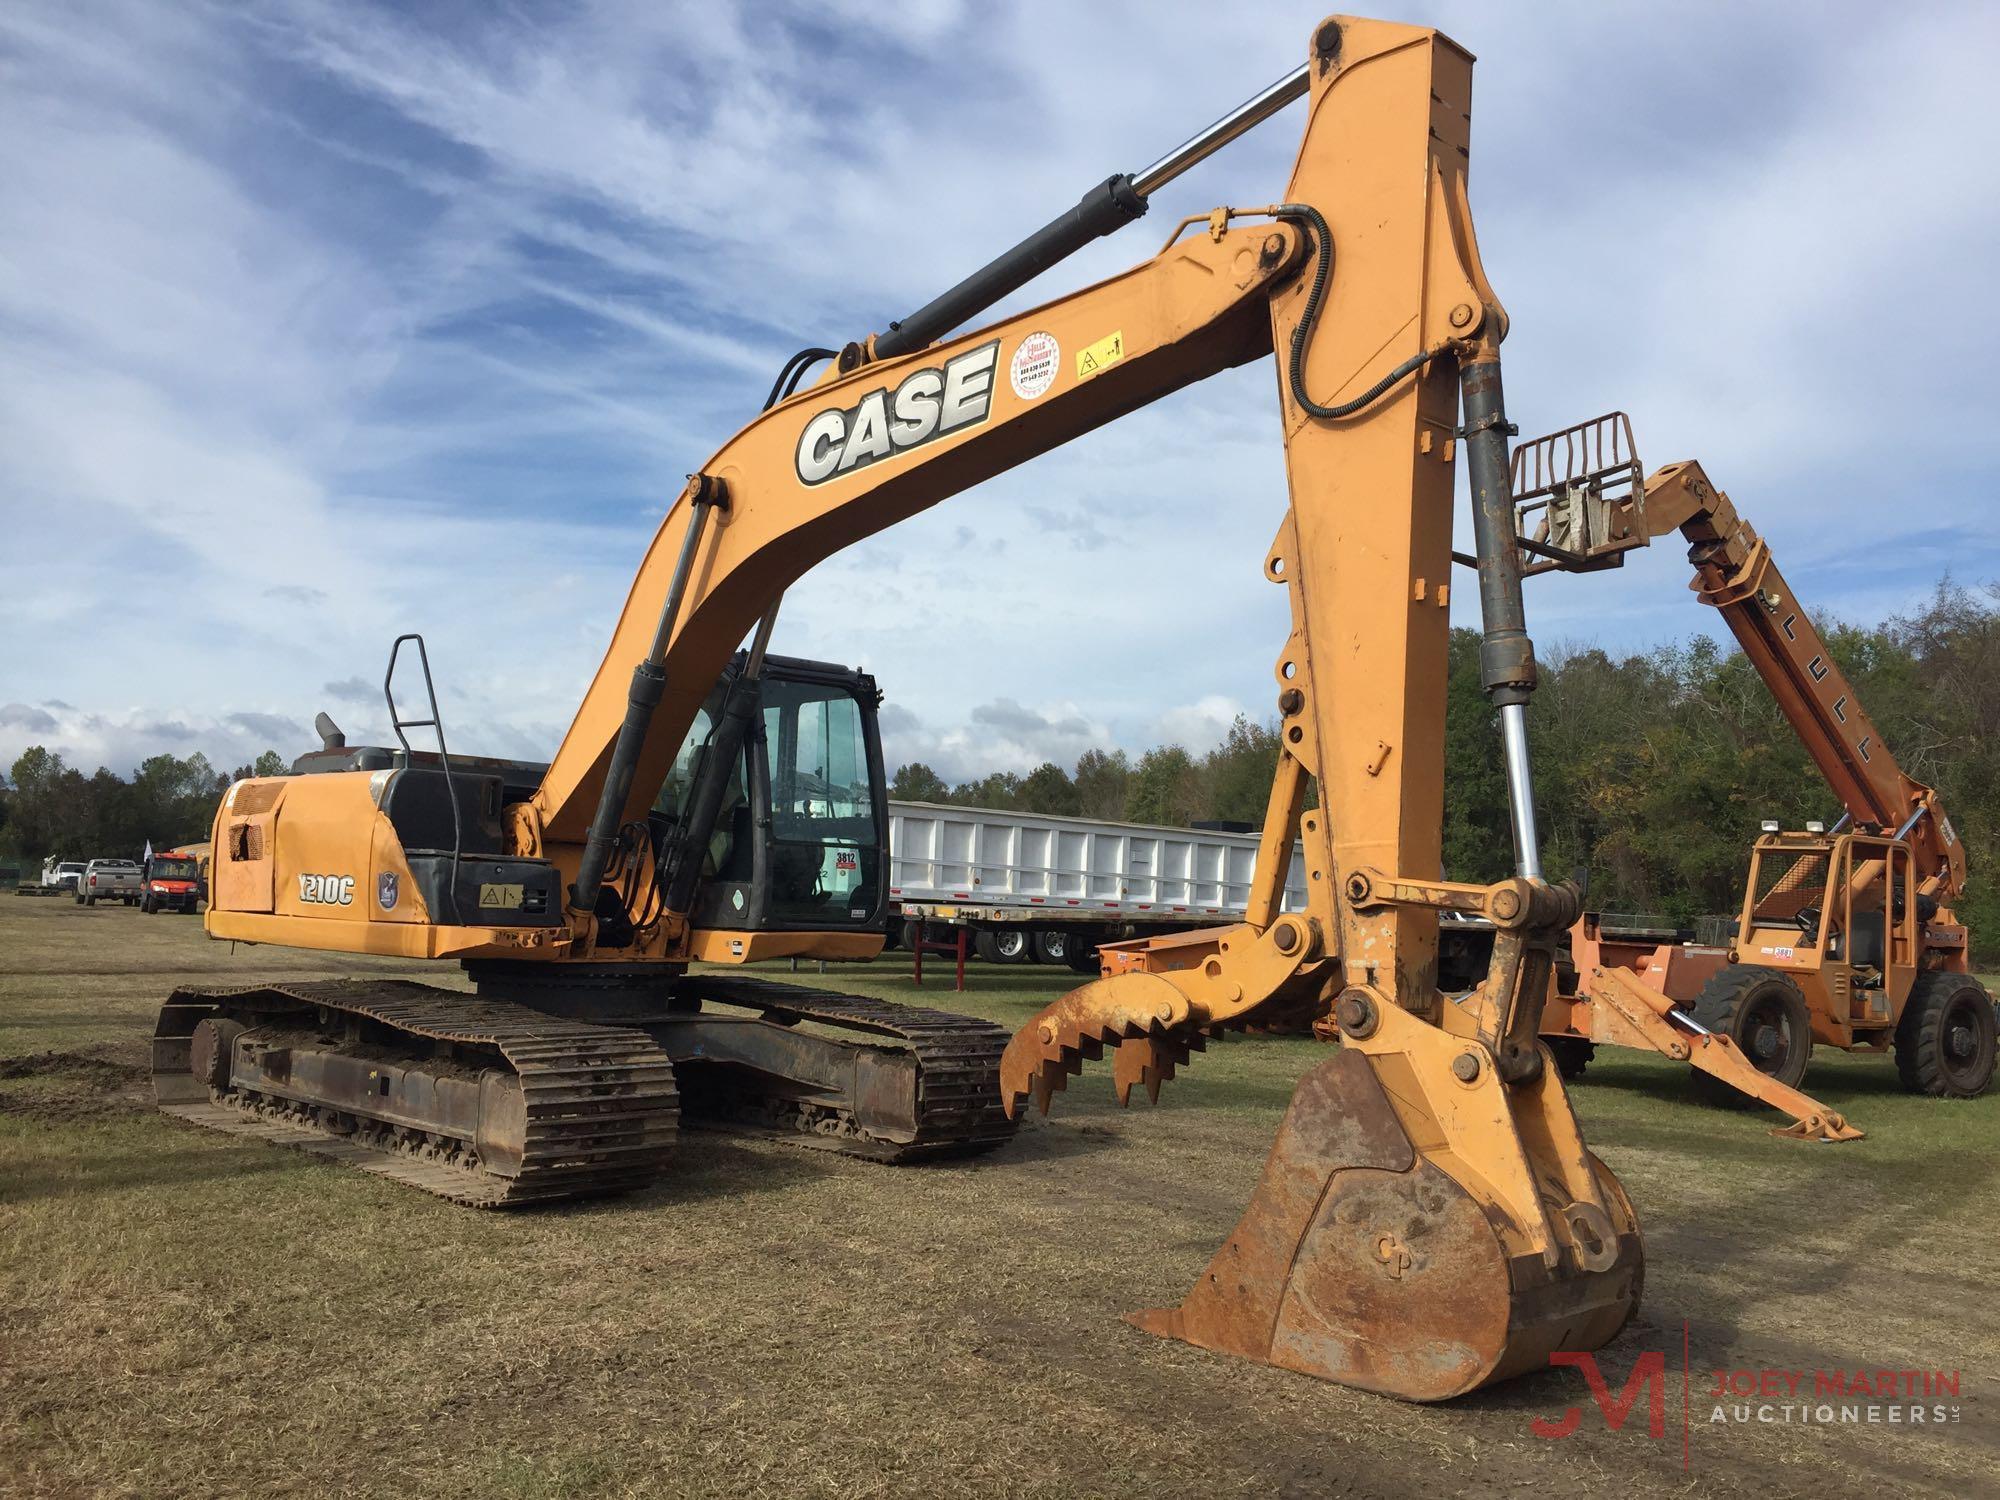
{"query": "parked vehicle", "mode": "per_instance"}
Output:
(1048, 889)
(60, 875)
(172, 883)
(109, 880)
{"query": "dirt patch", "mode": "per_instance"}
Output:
(110, 1079)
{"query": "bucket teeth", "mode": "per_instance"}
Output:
(1143, 1016)
(1151, 1061)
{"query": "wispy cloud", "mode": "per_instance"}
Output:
(319, 321)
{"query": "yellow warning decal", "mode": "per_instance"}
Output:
(501, 895)
(1099, 356)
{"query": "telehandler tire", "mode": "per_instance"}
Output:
(1946, 1040)
(1764, 1012)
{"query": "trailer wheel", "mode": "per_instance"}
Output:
(1080, 953)
(1764, 1012)
(1051, 947)
(1005, 945)
(1572, 1054)
(1946, 1040)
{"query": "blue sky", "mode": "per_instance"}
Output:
(320, 322)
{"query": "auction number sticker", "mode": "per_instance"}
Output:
(1033, 369)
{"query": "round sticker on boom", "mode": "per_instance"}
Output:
(1034, 368)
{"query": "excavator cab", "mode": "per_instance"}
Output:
(798, 842)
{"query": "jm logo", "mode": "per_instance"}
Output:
(1648, 1378)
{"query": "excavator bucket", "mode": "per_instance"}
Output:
(1366, 1260)
(1420, 1228)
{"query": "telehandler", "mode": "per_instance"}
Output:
(1429, 1220)
(1846, 936)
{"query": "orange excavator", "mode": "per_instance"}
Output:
(1430, 1218)
(1846, 937)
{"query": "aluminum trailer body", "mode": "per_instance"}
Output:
(1041, 885)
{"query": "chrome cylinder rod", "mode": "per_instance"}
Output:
(760, 641)
(1246, 117)
(1106, 208)
(1520, 790)
(1506, 654)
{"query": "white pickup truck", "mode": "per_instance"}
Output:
(109, 880)
(59, 875)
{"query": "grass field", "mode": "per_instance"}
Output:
(186, 1313)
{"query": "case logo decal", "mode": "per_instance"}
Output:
(931, 403)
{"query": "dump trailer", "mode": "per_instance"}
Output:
(1846, 936)
(1430, 1219)
(1051, 888)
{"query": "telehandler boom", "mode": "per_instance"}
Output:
(1429, 1219)
(1846, 937)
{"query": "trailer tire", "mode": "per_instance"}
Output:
(1080, 953)
(1946, 1040)
(1003, 945)
(1052, 947)
(1764, 1012)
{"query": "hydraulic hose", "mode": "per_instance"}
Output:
(1302, 335)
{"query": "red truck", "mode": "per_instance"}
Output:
(172, 883)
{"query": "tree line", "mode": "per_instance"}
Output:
(1653, 770)
(50, 807)
(1167, 784)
